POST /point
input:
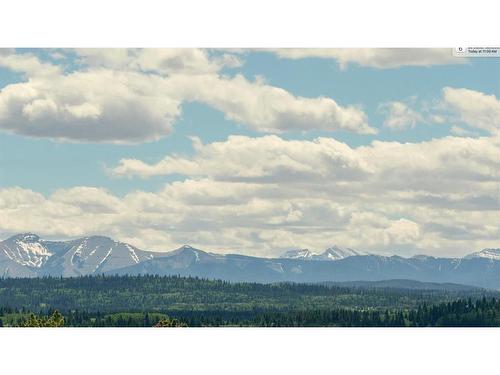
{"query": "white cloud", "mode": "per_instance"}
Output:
(94, 106)
(459, 131)
(271, 159)
(271, 109)
(268, 158)
(402, 231)
(263, 218)
(130, 96)
(27, 64)
(166, 61)
(399, 115)
(17, 197)
(89, 199)
(381, 58)
(264, 195)
(474, 108)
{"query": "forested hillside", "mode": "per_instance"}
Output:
(146, 300)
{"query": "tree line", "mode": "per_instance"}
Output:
(145, 301)
(484, 312)
(109, 294)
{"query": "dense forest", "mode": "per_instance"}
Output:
(146, 301)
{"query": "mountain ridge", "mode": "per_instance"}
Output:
(27, 255)
(82, 256)
(332, 253)
(485, 253)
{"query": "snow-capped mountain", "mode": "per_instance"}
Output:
(486, 253)
(336, 253)
(25, 249)
(332, 253)
(28, 255)
(94, 255)
(298, 254)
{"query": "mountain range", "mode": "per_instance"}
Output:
(27, 255)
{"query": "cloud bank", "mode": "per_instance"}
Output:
(133, 96)
(267, 194)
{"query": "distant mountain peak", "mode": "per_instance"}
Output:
(493, 254)
(25, 237)
(336, 253)
(187, 249)
(82, 256)
(335, 247)
(100, 238)
(26, 249)
(297, 254)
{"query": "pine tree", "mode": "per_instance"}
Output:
(55, 320)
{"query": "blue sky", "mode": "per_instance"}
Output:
(44, 163)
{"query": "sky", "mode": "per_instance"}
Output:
(390, 151)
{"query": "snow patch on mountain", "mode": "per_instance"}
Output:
(298, 254)
(132, 253)
(332, 253)
(337, 253)
(26, 249)
(493, 254)
(104, 259)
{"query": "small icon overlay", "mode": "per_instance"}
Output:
(476, 51)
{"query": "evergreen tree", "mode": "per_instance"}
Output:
(54, 320)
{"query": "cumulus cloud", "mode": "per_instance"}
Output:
(131, 96)
(399, 115)
(27, 64)
(264, 195)
(381, 58)
(268, 158)
(91, 106)
(266, 218)
(474, 108)
(17, 197)
(273, 159)
(167, 61)
(89, 199)
(271, 109)
(461, 108)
